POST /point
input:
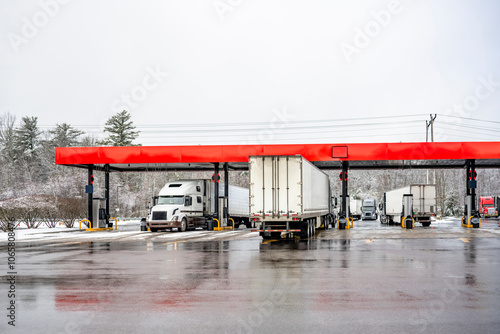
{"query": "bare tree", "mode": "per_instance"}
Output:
(8, 218)
(50, 217)
(70, 210)
(31, 218)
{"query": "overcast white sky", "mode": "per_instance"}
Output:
(230, 61)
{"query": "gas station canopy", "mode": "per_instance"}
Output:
(325, 156)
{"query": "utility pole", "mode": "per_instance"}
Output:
(427, 125)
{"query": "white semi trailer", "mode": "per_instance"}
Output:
(355, 207)
(188, 204)
(424, 204)
(288, 196)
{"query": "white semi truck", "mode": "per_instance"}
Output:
(188, 204)
(288, 196)
(369, 209)
(424, 204)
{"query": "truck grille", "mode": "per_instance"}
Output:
(160, 215)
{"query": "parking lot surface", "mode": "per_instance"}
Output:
(372, 278)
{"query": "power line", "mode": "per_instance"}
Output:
(473, 127)
(288, 140)
(266, 123)
(471, 119)
(461, 133)
(276, 131)
(461, 136)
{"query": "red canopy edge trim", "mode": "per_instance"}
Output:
(240, 153)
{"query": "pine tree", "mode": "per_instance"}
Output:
(27, 138)
(65, 136)
(121, 130)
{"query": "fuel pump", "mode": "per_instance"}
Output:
(99, 214)
(407, 220)
(343, 221)
(223, 216)
(470, 218)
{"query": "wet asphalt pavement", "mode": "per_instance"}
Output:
(371, 279)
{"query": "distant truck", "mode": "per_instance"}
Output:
(186, 204)
(424, 204)
(486, 207)
(355, 208)
(497, 203)
(288, 196)
(369, 209)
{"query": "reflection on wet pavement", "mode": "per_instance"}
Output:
(386, 285)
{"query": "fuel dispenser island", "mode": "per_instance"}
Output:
(471, 217)
(407, 220)
(345, 220)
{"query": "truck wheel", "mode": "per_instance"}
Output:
(183, 227)
(153, 229)
(304, 230)
(426, 224)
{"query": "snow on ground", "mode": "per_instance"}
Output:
(61, 231)
(127, 230)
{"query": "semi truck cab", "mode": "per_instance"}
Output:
(180, 204)
(369, 209)
(486, 206)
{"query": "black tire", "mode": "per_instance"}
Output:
(304, 230)
(183, 227)
(426, 224)
(153, 229)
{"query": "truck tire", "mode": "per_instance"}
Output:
(183, 227)
(152, 229)
(305, 230)
(426, 224)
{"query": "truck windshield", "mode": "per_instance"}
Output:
(368, 208)
(488, 205)
(171, 199)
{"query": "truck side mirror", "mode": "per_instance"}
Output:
(187, 201)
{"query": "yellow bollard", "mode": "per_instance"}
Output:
(116, 222)
(85, 220)
(216, 228)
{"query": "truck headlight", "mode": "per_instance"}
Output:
(175, 218)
